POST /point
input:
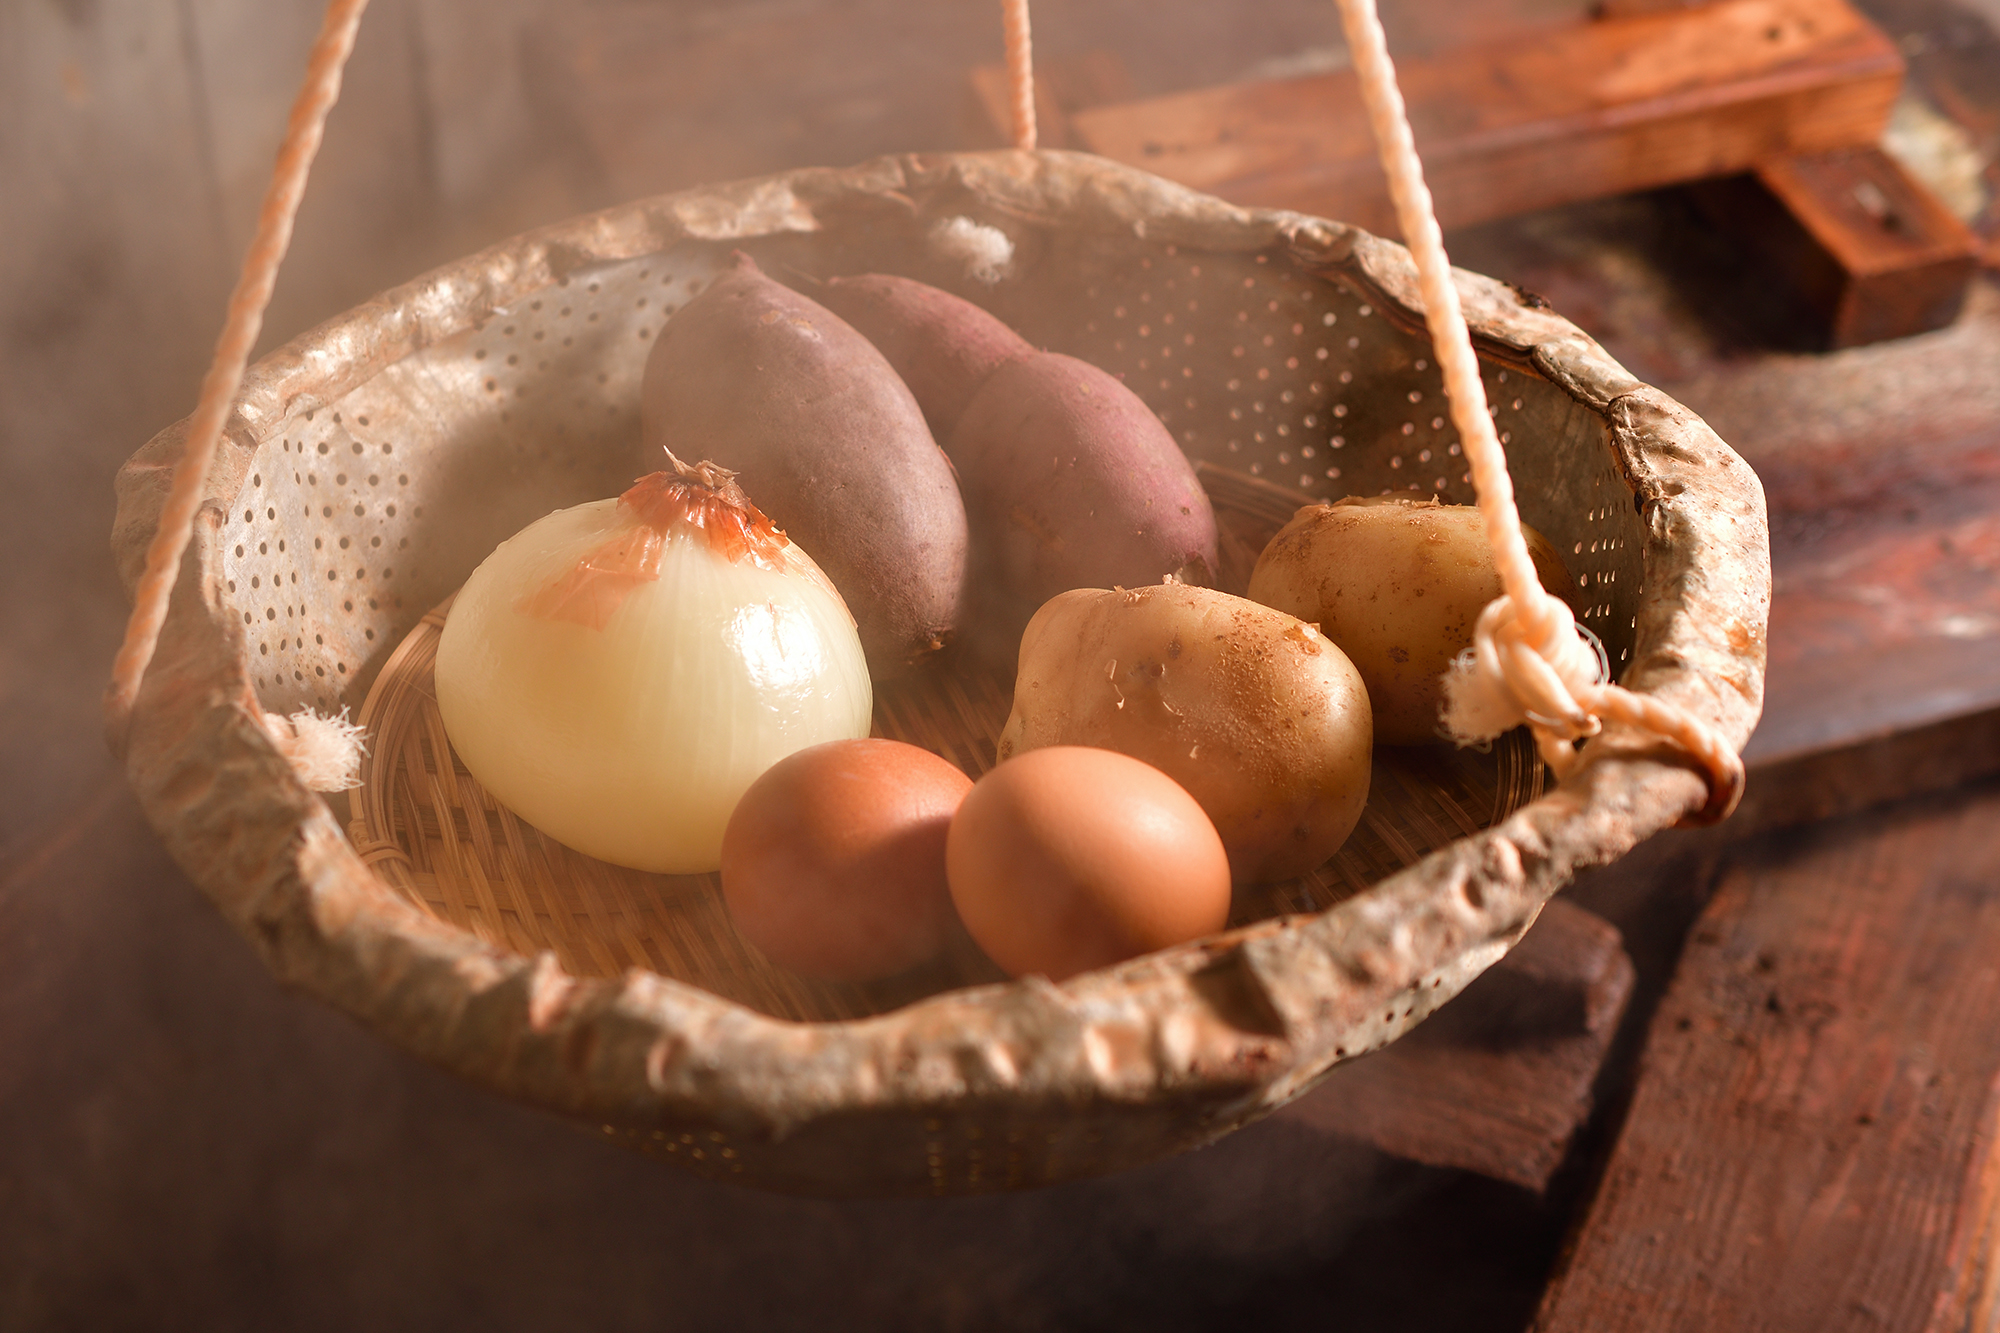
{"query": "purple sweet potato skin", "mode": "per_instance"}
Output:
(943, 346)
(1071, 482)
(826, 440)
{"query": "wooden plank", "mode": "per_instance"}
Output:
(1856, 775)
(1618, 9)
(1886, 600)
(1898, 626)
(663, 97)
(1547, 117)
(1811, 1144)
(1063, 87)
(1864, 246)
(1882, 677)
(1499, 1080)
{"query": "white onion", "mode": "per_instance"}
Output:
(632, 739)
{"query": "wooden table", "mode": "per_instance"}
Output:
(1793, 1130)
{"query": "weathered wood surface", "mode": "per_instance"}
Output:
(185, 1136)
(1812, 1144)
(1871, 251)
(1546, 117)
(1947, 124)
(1898, 623)
(1885, 617)
(1499, 1081)
(652, 96)
(1881, 467)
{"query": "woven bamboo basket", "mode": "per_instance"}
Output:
(370, 464)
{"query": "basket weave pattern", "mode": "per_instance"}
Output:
(431, 831)
(371, 463)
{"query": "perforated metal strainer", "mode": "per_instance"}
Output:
(373, 462)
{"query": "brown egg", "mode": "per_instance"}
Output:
(1066, 858)
(833, 863)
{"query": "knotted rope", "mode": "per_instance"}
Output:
(1527, 662)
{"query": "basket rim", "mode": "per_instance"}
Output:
(1224, 1029)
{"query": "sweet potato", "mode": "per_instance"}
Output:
(828, 440)
(1069, 479)
(943, 346)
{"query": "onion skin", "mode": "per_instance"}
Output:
(631, 739)
(1262, 720)
(1398, 584)
(1070, 480)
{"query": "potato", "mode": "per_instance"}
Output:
(1398, 584)
(1263, 720)
(1069, 479)
(943, 346)
(1071, 482)
(830, 443)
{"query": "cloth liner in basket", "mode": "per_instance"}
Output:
(372, 462)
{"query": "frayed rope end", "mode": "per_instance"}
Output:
(1477, 707)
(1502, 680)
(324, 751)
(987, 252)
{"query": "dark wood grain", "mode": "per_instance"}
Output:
(190, 1146)
(1811, 1145)
(1545, 117)
(1871, 251)
(1883, 678)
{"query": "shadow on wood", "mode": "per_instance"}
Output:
(1499, 1080)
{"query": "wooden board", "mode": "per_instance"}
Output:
(1546, 117)
(1812, 1141)
(1883, 679)
(1868, 249)
(1948, 121)
(1500, 1079)
(1063, 87)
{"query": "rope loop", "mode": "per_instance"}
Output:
(1528, 662)
(1536, 668)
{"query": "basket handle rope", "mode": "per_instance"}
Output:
(244, 321)
(1527, 662)
(1020, 71)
